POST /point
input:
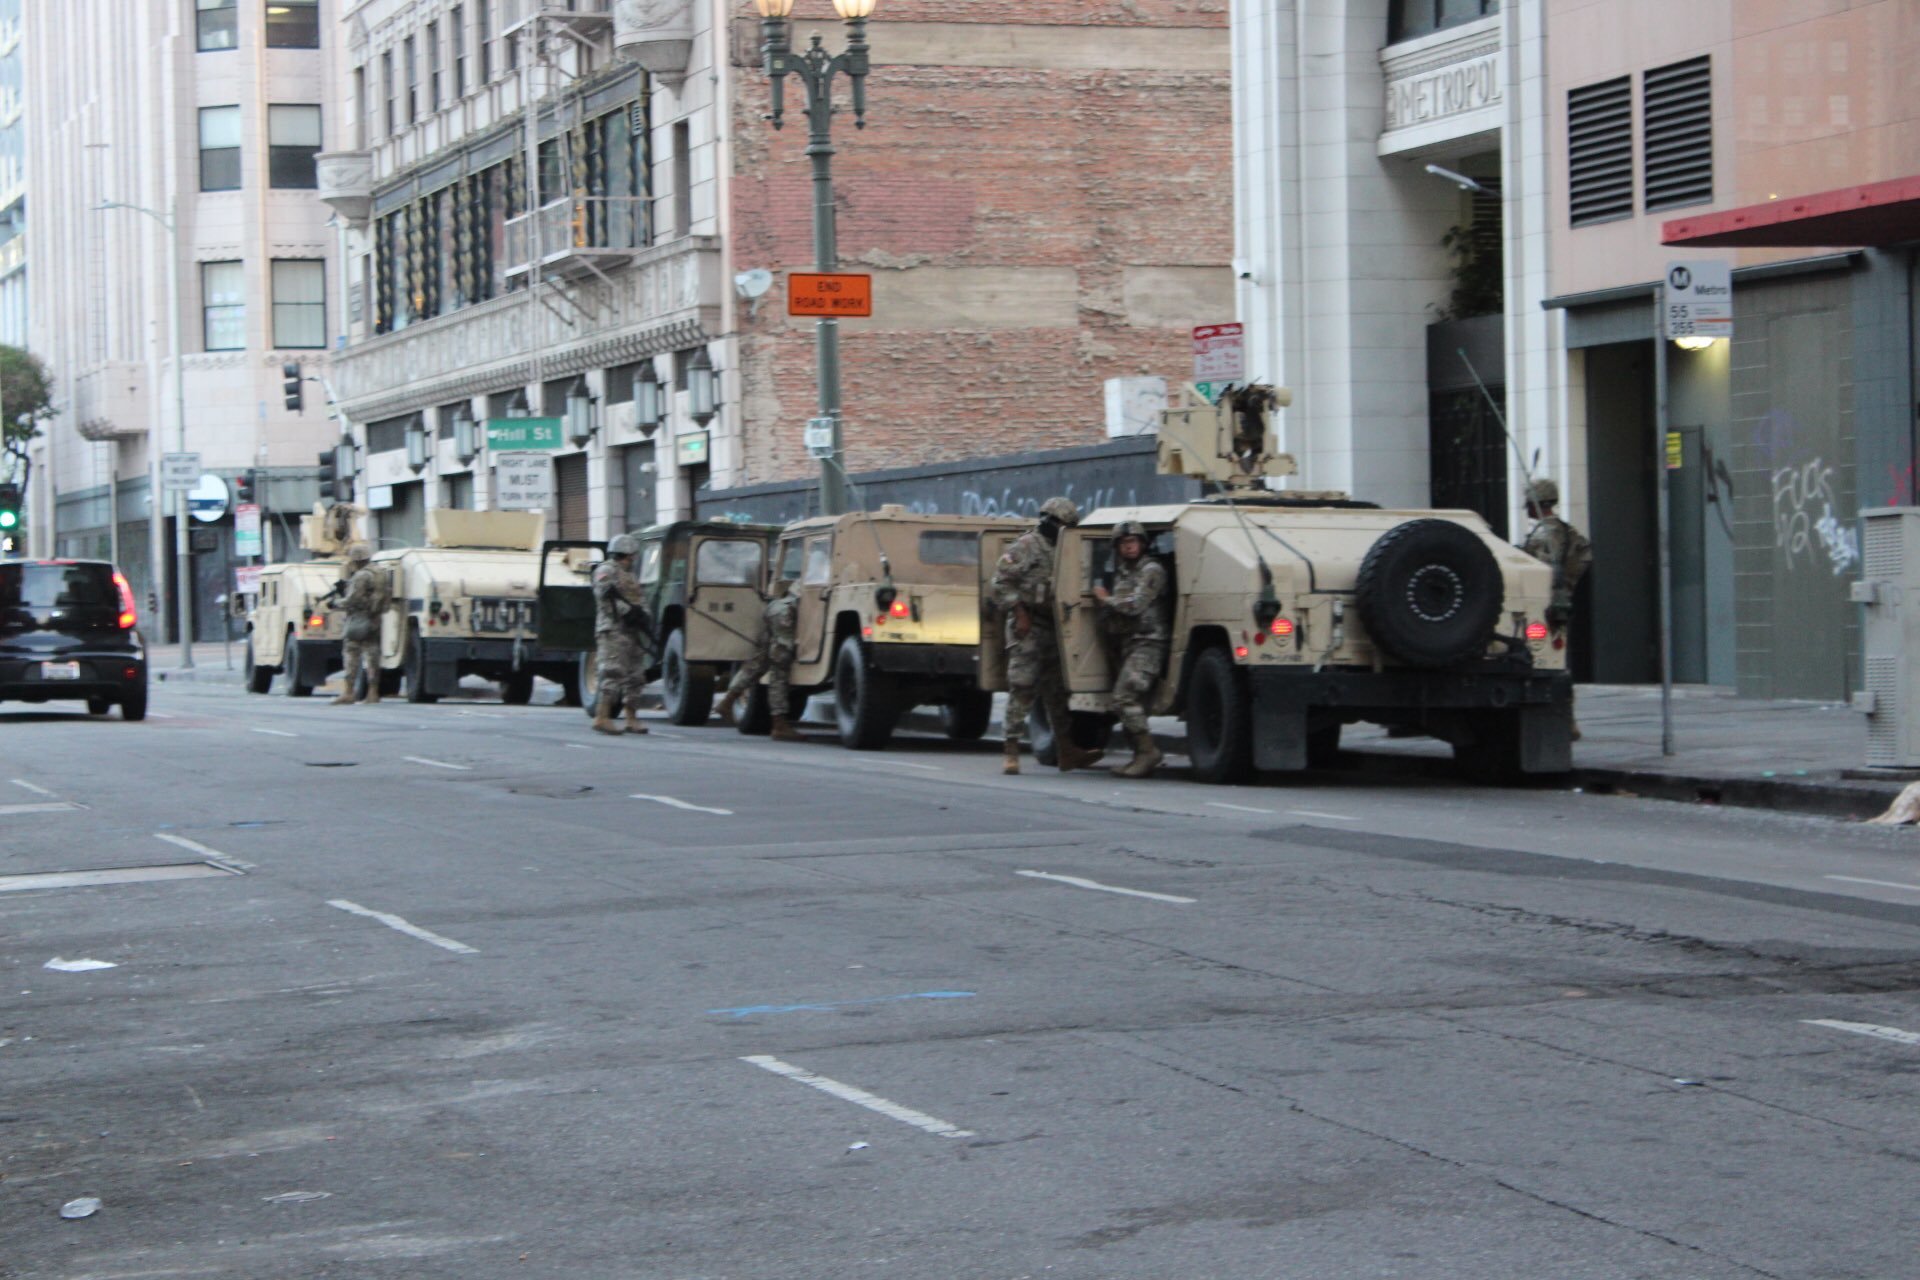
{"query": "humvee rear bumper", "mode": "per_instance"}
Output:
(318, 660)
(1447, 704)
(926, 659)
(450, 657)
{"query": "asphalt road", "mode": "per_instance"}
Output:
(467, 991)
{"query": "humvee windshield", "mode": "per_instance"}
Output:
(790, 560)
(650, 564)
(947, 546)
(729, 563)
(819, 562)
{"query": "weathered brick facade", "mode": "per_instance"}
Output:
(1044, 197)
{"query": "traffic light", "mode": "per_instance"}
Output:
(329, 475)
(9, 508)
(294, 386)
(243, 488)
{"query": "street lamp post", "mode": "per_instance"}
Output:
(816, 68)
(183, 557)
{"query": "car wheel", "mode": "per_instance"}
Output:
(517, 689)
(292, 662)
(686, 687)
(1430, 593)
(1219, 723)
(259, 678)
(133, 704)
(756, 715)
(99, 706)
(966, 718)
(416, 669)
(863, 698)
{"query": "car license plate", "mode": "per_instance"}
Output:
(502, 615)
(59, 671)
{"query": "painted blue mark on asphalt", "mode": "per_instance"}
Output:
(747, 1011)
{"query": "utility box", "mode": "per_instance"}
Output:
(1889, 593)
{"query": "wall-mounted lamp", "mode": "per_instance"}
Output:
(649, 399)
(417, 444)
(579, 411)
(466, 436)
(1459, 180)
(703, 390)
(1693, 342)
(518, 407)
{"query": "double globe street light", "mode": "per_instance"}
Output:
(816, 68)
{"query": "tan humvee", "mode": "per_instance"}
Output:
(465, 604)
(1293, 614)
(889, 618)
(292, 628)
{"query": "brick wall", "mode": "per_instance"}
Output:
(1044, 197)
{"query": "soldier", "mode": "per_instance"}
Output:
(1023, 589)
(1134, 617)
(773, 658)
(1559, 545)
(363, 601)
(619, 636)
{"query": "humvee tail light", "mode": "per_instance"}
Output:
(866, 632)
(128, 615)
(1241, 651)
(1536, 631)
(879, 620)
(316, 621)
(1283, 626)
(898, 608)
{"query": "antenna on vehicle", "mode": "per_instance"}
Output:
(1500, 418)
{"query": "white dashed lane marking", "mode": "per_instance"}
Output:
(278, 733)
(407, 927)
(1237, 808)
(44, 806)
(1884, 884)
(1078, 883)
(439, 764)
(211, 855)
(1894, 1034)
(859, 1097)
(34, 787)
(682, 804)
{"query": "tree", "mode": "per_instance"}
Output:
(26, 398)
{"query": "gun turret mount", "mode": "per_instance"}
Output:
(1230, 442)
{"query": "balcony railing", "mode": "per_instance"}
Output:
(577, 236)
(587, 17)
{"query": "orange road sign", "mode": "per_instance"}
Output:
(829, 293)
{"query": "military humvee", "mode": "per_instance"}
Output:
(292, 628)
(1293, 614)
(464, 605)
(889, 618)
(703, 581)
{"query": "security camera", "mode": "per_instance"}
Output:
(1242, 269)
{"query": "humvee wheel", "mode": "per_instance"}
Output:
(290, 659)
(1092, 730)
(1219, 725)
(416, 669)
(965, 719)
(517, 689)
(259, 678)
(863, 699)
(755, 716)
(686, 688)
(1430, 593)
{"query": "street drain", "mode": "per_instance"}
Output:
(112, 875)
(330, 764)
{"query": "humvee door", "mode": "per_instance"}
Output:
(723, 599)
(811, 622)
(1081, 559)
(565, 596)
(993, 630)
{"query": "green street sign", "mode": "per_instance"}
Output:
(1211, 391)
(516, 435)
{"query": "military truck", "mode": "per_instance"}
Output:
(292, 629)
(703, 581)
(464, 604)
(889, 619)
(1294, 614)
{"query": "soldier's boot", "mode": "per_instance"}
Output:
(1146, 757)
(633, 720)
(373, 690)
(728, 701)
(1073, 756)
(1010, 756)
(603, 722)
(346, 698)
(783, 730)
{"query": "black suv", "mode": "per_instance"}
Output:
(67, 631)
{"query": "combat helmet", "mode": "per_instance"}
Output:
(1543, 493)
(1061, 509)
(624, 544)
(1131, 529)
(359, 552)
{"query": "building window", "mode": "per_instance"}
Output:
(1600, 151)
(223, 306)
(410, 68)
(483, 38)
(682, 178)
(219, 24)
(299, 302)
(457, 31)
(220, 148)
(361, 109)
(293, 24)
(386, 76)
(1407, 19)
(509, 54)
(1676, 103)
(433, 66)
(293, 140)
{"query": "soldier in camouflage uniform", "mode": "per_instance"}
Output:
(363, 601)
(1557, 544)
(1023, 590)
(619, 636)
(772, 658)
(1134, 616)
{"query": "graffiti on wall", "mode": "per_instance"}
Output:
(1804, 525)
